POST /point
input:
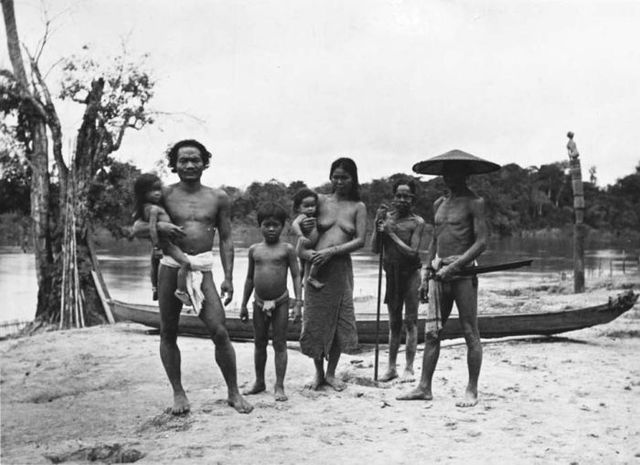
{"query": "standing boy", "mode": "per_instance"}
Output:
(401, 233)
(269, 262)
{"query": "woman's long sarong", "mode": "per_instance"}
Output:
(328, 312)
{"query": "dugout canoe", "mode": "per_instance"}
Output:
(490, 325)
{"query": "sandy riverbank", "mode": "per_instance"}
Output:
(571, 399)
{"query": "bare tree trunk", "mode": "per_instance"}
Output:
(40, 216)
(37, 153)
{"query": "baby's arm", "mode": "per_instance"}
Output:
(295, 225)
(248, 287)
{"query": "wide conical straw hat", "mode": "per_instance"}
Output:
(458, 160)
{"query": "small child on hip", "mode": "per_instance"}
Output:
(270, 261)
(305, 205)
(148, 199)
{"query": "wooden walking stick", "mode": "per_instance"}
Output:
(377, 352)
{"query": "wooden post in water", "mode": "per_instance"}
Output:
(578, 208)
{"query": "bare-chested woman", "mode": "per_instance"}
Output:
(329, 325)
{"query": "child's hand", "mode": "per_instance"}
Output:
(244, 314)
(307, 225)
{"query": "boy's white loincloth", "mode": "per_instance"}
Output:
(199, 263)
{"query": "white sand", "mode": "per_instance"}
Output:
(573, 399)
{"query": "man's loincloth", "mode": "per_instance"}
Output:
(268, 306)
(433, 322)
(398, 284)
(198, 265)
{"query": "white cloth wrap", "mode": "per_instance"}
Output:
(199, 264)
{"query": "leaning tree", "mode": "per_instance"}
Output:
(114, 99)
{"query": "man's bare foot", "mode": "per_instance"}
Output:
(417, 394)
(279, 394)
(389, 375)
(255, 389)
(180, 404)
(183, 297)
(335, 383)
(315, 283)
(470, 399)
(408, 376)
(238, 403)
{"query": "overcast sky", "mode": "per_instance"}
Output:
(281, 88)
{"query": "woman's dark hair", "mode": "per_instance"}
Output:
(404, 182)
(301, 195)
(172, 154)
(350, 167)
(271, 209)
(143, 184)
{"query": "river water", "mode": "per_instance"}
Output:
(125, 268)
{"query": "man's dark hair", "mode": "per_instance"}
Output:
(141, 186)
(405, 182)
(172, 154)
(271, 210)
(350, 167)
(302, 194)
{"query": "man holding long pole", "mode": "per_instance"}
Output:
(399, 232)
(460, 236)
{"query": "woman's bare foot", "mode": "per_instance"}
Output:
(416, 394)
(389, 375)
(180, 404)
(255, 389)
(470, 398)
(183, 297)
(237, 402)
(335, 383)
(317, 382)
(279, 394)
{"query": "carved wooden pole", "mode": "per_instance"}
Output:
(578, 207)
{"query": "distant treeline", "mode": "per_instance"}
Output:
(517, 199)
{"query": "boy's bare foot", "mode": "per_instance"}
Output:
(279, 394)
(389, 375)
(470, 399)
(180, 404)
(255, 389)
(416, 394)
(335, 383)
(408, 376)
(315, 283)
(183, 297)
(237, 402)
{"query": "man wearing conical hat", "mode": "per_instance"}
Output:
(459, 237)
